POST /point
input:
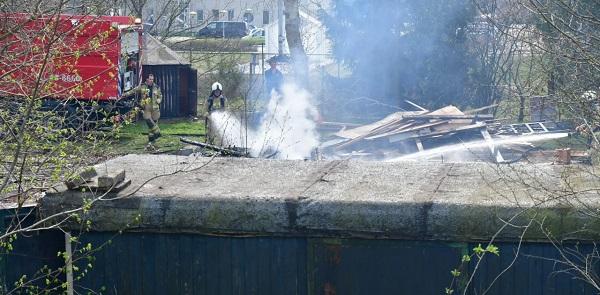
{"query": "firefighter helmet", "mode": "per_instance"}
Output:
(217, 86)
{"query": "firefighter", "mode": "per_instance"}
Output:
(150, 99)
(273, 78)
(216, 93)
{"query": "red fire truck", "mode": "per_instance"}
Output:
(70, 61)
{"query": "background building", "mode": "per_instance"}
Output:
(195, 14)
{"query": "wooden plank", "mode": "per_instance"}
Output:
(393, 131)
(361, 137)
(415, 128)
(449, 117)
(224, 151)
(416, 105)
(406, 136)
(478, 125)
(366, 130)
(447, 110)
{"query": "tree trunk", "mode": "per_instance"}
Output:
(294, 40)
(137, 6)
(521, 117)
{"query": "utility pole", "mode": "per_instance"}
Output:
(281, 27)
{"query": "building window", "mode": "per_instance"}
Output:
(215, 14)
(265, 17)
(184, 16)
(200, 15)
(230, 14)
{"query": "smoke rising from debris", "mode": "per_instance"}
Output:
(399, 50)
(287, 130)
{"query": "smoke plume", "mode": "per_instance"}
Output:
(287, 130)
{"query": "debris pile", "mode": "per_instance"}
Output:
(89, 179)
(444, 130)
(447, 133)
(223, 151)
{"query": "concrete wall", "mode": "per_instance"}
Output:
(422, 200)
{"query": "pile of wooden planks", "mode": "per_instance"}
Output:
(413, 126)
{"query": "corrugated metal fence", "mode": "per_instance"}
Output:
(157, 263)
(31, 252)
(178, 84)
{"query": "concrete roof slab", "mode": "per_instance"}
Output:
(428, 200)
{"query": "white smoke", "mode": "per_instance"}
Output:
(227, 128)
(287, 130)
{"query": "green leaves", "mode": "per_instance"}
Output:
(480, 251)
(7, 244)
(462, 271)
(492, 249)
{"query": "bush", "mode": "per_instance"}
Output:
(214, 45)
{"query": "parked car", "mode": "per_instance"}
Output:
(224, 29)
(256, 36)
(257, 32)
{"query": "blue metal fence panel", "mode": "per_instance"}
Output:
(31, 251)
(140, 263)
(381, 267)
(158, 263)
(532, 268)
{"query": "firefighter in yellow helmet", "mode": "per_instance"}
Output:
(150, 99)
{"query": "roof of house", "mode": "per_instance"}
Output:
(155, 53)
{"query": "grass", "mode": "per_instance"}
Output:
(574, 141)
(134, 137)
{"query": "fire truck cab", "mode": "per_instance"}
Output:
(72, 61)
